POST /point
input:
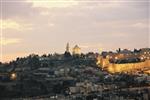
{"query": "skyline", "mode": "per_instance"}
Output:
(35, 26)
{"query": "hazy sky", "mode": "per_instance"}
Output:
(45, 26)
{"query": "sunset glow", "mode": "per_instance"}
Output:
(39, 26)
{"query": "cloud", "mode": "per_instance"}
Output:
(51, 24)
(53, 3)
(9, 24)
(17, 8)
(112, 23)
(8, 41)
(140, 25)
(12, 24)
(102, 3)
(44, 13)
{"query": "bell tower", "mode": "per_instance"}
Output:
(67, 47)
(67, 53)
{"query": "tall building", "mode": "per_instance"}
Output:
(67, 47)
(76, 50)
(67, 53)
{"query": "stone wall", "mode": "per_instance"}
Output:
(127, 67)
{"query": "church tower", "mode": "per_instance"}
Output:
(67, 52)
(67, 47)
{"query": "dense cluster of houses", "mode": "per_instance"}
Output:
(63, 77)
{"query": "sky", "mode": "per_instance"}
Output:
(45, 26)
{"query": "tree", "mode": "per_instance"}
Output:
(44, 55)
(67, 55)
(33, 62)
